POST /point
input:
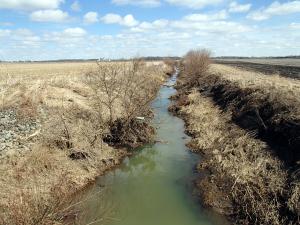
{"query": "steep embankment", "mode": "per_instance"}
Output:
(247, 127)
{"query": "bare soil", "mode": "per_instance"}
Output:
(291, 70)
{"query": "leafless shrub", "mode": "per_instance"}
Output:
(139, 88)
(124, 90)
(196, 63)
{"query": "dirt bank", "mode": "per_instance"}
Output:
(247, 128)
(268, 106)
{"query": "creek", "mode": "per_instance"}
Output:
(155, 185)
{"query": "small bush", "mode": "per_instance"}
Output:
(196, 63)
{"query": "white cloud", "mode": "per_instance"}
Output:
(194, 23)
(226, 27)
(295, 26)
(149, 26)
(74, 32)
(275, 9)
(212, 30)
(33, 41)
(111, 18)
(21, 38)
(234, 7)
(127, 20)
(22, 32)
(144, 3)
(4, 33)
(49, 15)
(77, 43)
(76, 6)
(30, 4)
(222, 15)
(67, 37)
(194, 4)
(91, 17)
(161, 23)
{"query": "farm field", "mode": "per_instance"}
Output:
(289, 67)
(269, 61)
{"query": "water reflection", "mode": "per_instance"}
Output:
(143, 162)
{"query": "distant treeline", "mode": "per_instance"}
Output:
(150, 58)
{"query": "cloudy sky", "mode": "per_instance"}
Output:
(57, 29)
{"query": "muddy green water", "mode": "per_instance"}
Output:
(153, 187)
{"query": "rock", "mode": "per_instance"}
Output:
(12, 130)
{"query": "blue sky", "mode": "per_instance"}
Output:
(58, 29)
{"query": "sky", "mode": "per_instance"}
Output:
(83, 29)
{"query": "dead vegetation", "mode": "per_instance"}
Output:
(195, 62)
(75, 113)
(130, 87)
(268, 105)
(247, 180)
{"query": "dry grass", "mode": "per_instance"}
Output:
(242, 165)
(278, 88)
(67, 152)
(269, 105)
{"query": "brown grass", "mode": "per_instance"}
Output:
(268, 105)
(282, 90)
(241, 166)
